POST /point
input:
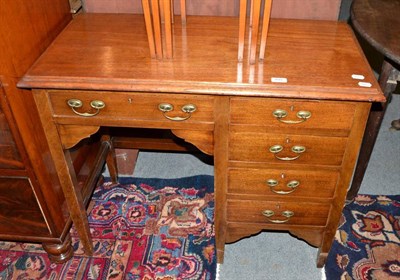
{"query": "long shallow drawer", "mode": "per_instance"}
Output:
(324, 115)
(299, 149)
(277, 212)
(134, 106)
(285, 183)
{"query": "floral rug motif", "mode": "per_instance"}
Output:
(147, 229)
(367, 242)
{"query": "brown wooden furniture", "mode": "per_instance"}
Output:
(376, 22)
(32, 205)
(284, 133)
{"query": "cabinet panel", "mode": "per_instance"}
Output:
(20, 214)
(9, 155)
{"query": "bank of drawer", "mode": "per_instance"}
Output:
(139, 106)
(254, 211)
(325, 115)
(256, 147)
(285, 183)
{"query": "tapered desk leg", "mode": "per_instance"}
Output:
(65, 171)
(378, 110)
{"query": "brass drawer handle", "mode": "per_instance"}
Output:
(275, 149)
(269, 213)
(279, 114)
(187, 109)
(292, 185)
(95, 104)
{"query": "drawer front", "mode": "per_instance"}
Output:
(277, 212)
(285, 183)
(135, 106)
(299, 149)
(325, 115)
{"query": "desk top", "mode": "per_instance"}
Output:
(378, 21)
(110, 52)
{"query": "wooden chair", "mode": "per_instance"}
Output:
(158, 14)
(254, 21)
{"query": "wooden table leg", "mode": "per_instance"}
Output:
(396, 123)
(371, 131)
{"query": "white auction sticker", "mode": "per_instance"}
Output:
(364, 84)
(357, 77)
(279, 80)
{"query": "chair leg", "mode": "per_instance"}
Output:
(111, 159)
(183, 12)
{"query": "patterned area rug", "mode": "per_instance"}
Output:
(367, 243)
(151, 229)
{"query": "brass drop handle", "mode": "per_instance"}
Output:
(95, 104)
(188, 109)
(292, 185)
(275, 149)
(269, 213)
(279, 114)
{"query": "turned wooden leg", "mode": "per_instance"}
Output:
(59, 253)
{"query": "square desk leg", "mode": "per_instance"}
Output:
(65, 171)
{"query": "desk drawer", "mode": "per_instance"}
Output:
(297, 213)
(134, 106)
(285, 183)
(325, 115)
(256, 147)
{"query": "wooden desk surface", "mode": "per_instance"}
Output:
(110, 52)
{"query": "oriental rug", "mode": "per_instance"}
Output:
(367, 242)
(151, 229)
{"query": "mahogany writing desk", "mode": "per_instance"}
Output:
(284, 133)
